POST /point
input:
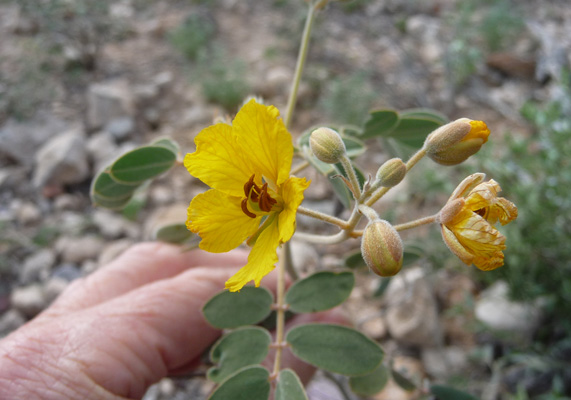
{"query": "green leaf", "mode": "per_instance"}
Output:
(412, 131)
(425, 113)
(355, 260)
(335, 348)
(289, 387)
(371, 383)
(141, 164)
(404, 382)
(111, 204)
(105, 187)
(233, 309)
(250, 383)
(447, 393)
(238, 349)
(167, 143)
(320, 291)
(355, 147)
(174, 233)
(379, 123)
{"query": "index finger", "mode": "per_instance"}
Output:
(141, 264)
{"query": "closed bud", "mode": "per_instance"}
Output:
(382, 248)
(450, 210)
(327, 145)
(391, 173)
(453, 143)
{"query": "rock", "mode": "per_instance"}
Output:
(112, 225)
(66, 202)
(76, 250)
(101, 147)
(112, 250)
(36, 268)
(304, 256)
(29, 300)
(161, 195)
(107, 101)
(20, 140)
(412, 316)
(374, 327)
(444, 363)
(28, 213)
(53, 288)
(72, 223)
(173, 214)
(10, 321)
(499, 313)
(62, 160)
(66, 272)
(120, 128)
(11, 178)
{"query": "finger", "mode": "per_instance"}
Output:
(140, 265)
(151, 331)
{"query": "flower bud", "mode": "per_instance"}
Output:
(450, 210)
(391, 173)
(382, 248)
(327, 145)
(453, 143)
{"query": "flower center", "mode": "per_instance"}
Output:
(258, 197)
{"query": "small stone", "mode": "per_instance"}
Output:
(76, 250)
(67, 201)
(167, 387)
(161, 195)
(499, 313)
(62, 160)
(375, 327)
(67, 272)
(36, 268)
(29, 300)
(53, 288)
(121, 128)
(412, 315)
(72, 223)
(10, 321)
(28, 213)
(173, 214)
(444, 363)
(111, 225)
(107, 101)
(88, 267)
(101, 148)
(304, 256)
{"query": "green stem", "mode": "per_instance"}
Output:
(350, 171)
(302, 56)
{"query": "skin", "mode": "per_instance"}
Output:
(111, 335)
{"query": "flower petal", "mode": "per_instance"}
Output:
(219, 220)
(292, 195)
(265, 141)
(219, 161)
(260, 261)
(476, 235)
(455, 246)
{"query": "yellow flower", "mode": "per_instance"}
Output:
(247, 165)
(467, 222)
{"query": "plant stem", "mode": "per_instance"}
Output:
(280, 313)
(301, 57)
(323, 217)
(350, 171)
(300, 167)
(320, 239)
(416, 223)
(409, 164)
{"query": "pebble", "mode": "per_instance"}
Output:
(53, 288)
(76, 250)
(10, 321)
(112, 250)
(121, 128)
(112, 225)
(28, 213)
(67, 272)
(29, 300)
(36, 268)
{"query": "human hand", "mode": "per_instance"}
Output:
(114, 333)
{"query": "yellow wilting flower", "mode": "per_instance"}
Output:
(247, 165)
(467, 222)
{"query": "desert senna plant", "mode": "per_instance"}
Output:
(254, 198)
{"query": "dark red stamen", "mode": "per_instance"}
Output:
(245, 209)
